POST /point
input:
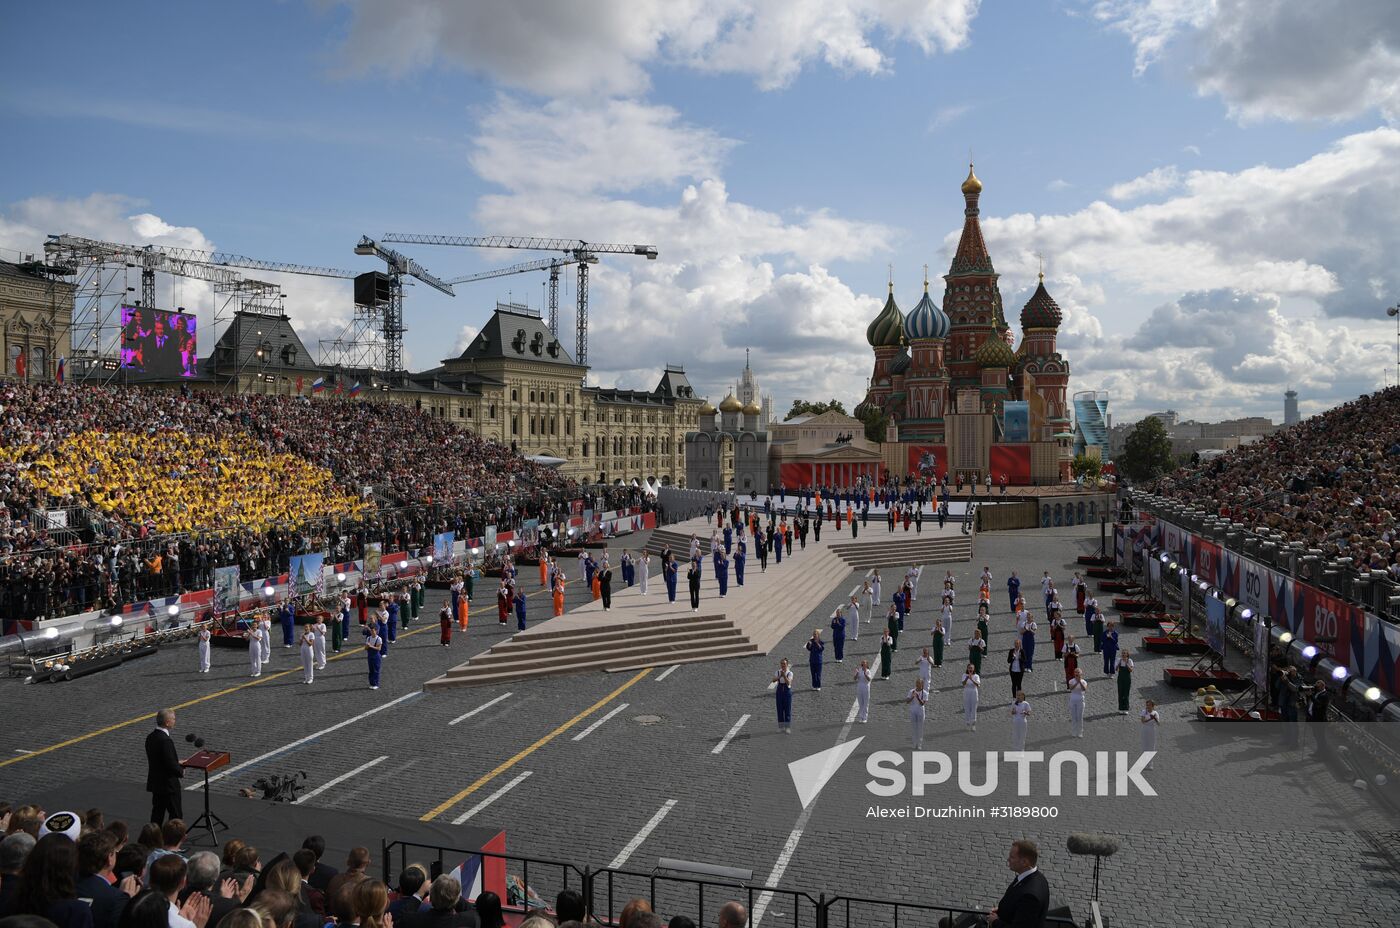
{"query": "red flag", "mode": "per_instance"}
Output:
(298, 384)
(20, 365)
(340, 387)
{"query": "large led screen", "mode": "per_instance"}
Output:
(158, 343)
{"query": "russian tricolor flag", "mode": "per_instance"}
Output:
(318, 385)
(355, 388)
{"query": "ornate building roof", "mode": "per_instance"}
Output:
(752, 409)
(885, 329)
(926, 320)
(971, 256)
(900, 363)
(994, 353)
(1041, 311)
(707, 409)
(730, 403)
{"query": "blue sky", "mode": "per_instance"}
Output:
(780, 155)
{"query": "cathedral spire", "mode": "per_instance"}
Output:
(971, 256)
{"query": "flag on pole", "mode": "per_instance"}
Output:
(318, 385)
(340, 386)
(299, 380)
(355, 388)
(20, 365)
(58, 373)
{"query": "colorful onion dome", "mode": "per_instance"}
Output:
(926, 320)
(994, 353)
(900, 364)
(885, 330)
(1041, 311)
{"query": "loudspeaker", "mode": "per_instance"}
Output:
(371, 289)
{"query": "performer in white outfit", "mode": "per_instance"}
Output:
(971, 684)
(204, 637)
(256, 639)
(308, 656)
(868, 595)
(266, 623)
(925, 669)
(917, 699)
(863, 678)
(874, 590)
(947, 619)
(694, 549)
(319, 630)
(1020, 721)
(987, 576)
(643, 571)
(1151, 721)
(853, 619)
(911, 577)
(1078, 687)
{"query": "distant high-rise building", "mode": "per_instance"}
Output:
(1290, 408)
(1090, 422)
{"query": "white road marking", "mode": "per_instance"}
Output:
(596, 725)
(300, 741)
(642, 835)
(481, 708)
(342, 778)
(23, 751)
(491, 798)
(666, 673)
(790, 846)
(724, 742)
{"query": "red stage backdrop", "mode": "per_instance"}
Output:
(1012, 460)
(796, 475)
(937, 454)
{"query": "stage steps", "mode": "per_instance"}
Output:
(752, 620)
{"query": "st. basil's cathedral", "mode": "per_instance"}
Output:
(956, 393)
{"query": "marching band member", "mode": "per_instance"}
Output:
(1078, 687)
(308, 655)
(1020, 721)
(917, 700)
(971, 685)
(863, 678)
(318, 631)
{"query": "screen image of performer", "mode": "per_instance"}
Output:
(163, 770)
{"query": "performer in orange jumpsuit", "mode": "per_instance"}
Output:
(559, 593)
(463, 612)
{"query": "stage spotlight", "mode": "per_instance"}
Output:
(511, 543)
(269, 590)
(1246, 613)
(1203, 585)
(428, 558)
(1373, 693)
(1339, 673)
(1172, 566)
(116, 621)
(1195, 578)
(1163, 557)
(50, 633)
(1231, 601)
(1309, 652)
(476, 550)
(1181, 571)
(172, 610)
(1285, 638)
(340, 577)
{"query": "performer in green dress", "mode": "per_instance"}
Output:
(976, 650)
(982, 622)
(1125, 680)
(892, 623)
(886, 655)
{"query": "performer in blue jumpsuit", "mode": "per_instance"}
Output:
(626, 569)
(716, 557)
(728, 539)
(739, 558)
(777, 541)
(814, 657)
(344, 620)
(722, 574)
(784, 696)
(589, 566)
(670, 573)
(520, 609)
(393, 620)
(373, 649)
(288, 618)
(1110, 649)
(1013, 587)
(692, 577)
(838, 634)
(900, 607)
(382, 627)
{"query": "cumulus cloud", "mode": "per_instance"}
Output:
(1157, 180)
(606, 47)
(320, 307)
(1285, 59)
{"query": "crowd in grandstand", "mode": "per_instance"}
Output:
(1330, 482)
(70, 871)
(160, 487)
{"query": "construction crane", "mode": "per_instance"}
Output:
(553, 265)
(399, 267)
(583, 254)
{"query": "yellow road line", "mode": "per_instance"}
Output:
(265, 678)
(526, 752)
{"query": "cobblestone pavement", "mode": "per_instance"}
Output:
(591, 791)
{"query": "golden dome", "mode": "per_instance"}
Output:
(752, 409)
(730, 403)
(707, 409)
(972, 184)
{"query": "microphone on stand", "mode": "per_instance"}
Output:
(197, 742)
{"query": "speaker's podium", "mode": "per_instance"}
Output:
(207, 761)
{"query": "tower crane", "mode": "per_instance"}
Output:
(553, 265)
(583, 254)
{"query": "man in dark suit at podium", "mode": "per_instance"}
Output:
(1027, 899)
(163, 770)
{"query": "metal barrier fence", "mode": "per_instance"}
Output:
(837, 912)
